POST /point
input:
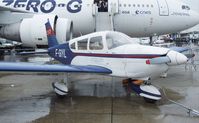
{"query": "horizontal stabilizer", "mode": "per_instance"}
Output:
(29, 67)
(158, 60)
(32, 53)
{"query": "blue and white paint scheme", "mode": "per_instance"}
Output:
(116, 52)
(107, 52)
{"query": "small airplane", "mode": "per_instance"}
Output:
(108, 52)
(24, 20)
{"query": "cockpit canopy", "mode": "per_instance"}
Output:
(100, 41)
(114, 40)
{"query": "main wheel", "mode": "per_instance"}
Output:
(60, 88)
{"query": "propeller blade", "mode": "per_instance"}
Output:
(158, 60)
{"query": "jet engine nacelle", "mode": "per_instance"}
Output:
(32, 32)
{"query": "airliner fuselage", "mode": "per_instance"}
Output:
(137, 18)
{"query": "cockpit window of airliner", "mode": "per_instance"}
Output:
(96, 43)
(116, 39)
(184, 7)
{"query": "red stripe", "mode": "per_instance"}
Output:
(144, 56)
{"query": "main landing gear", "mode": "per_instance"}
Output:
(61, 88)
(144, 89)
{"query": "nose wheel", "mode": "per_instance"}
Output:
(144, 89)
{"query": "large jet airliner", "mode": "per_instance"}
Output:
(23, 20)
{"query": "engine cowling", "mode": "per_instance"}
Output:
(32, 32)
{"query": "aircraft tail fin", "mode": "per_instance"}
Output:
(52, 40)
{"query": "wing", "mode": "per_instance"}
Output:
(28, 67)
(4, 8)
(183, 49)
(179, 49)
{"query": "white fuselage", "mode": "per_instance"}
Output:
(135, 68)
(132, 17)
(109, 50)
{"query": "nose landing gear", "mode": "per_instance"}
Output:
(144, 89)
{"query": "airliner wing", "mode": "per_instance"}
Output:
(4, 8)
(29, 67)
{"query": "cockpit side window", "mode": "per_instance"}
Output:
(116, 39)
(72, 46)
(82, 44)
(185, 7)
(96, 43)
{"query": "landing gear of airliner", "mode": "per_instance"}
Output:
(150, 93)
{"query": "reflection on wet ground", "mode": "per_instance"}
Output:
(29, 97)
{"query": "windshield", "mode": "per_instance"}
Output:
(116, 39)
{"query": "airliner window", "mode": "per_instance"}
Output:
(188, 8)
(96, 43)
(72, 46)
(116, 39)
(185, 7)
(82, 44)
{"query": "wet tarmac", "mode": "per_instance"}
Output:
(29, 97)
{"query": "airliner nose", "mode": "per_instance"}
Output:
(176, 58)
(194, 17)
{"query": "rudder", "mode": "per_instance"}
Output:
(52, 40)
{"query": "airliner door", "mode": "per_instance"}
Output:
(113, 6)
(163, 8)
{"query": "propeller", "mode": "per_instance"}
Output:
(158, 60)
(171, 58)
